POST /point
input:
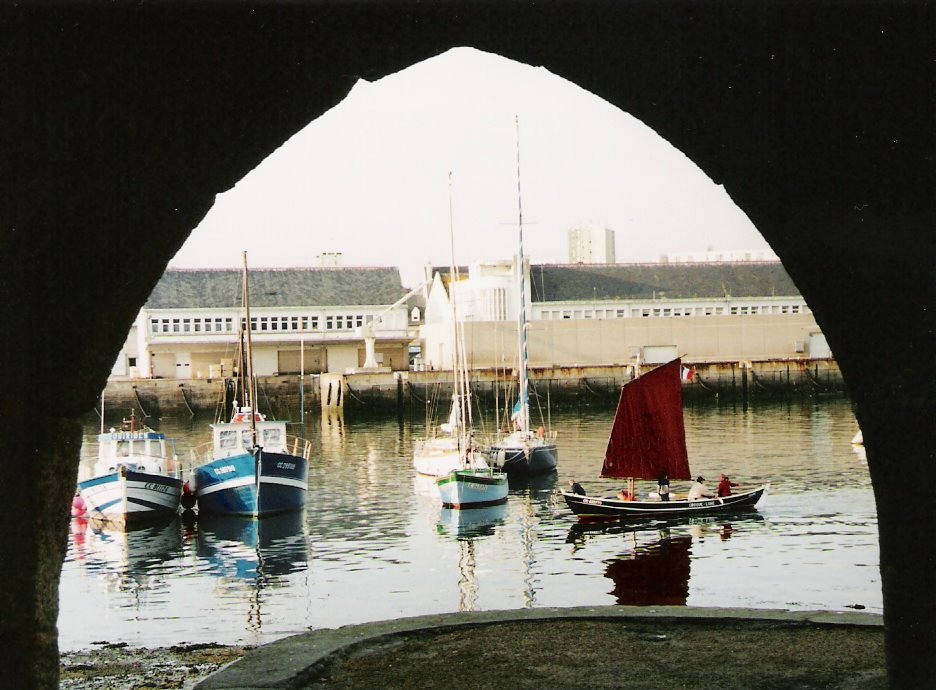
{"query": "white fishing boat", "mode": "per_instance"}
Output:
(523, 451)
(648, 439)
(131, 481)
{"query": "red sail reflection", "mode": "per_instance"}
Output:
(655, 574)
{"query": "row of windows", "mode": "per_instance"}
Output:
(737, 310)
(258, 324)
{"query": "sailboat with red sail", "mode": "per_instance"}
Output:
(648, 438)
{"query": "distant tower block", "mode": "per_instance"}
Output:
(329, 259)
(591, 245)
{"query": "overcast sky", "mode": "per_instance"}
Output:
(369, 179)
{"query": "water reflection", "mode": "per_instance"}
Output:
(252, 555)
(538, 484)
(470, 524)
(130, 559)
(653, 566)
(250, 549)
(468, 527)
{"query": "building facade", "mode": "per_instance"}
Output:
(302, 320)
(585, 315)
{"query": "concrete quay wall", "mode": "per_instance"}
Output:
(406, 392)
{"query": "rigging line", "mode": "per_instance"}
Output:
(266, 397)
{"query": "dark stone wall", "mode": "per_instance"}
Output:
(119, 124)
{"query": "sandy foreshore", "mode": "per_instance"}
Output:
(121, 667)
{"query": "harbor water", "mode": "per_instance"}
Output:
(374, 543)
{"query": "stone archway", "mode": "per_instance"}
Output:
(118, 126)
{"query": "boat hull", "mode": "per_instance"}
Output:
(602, 507)
(524, 460)
(130, 497)
(465, 489)
(230, 486)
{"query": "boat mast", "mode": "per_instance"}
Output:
(524, 383)
(252, 384)
(460, 391)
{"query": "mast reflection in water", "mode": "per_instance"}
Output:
(252, 554)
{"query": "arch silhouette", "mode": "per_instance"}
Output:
(119, 125)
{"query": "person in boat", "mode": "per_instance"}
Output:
(576, 488)
(698, 490)
(625, 495)
(724, 486)
(663, 485)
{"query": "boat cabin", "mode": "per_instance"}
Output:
(141, 451)
(234, 438)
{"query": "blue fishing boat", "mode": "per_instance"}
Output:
(251, 467)
(251, 470)
(131, 481)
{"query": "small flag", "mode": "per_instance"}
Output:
(686, 373)
(517, 416)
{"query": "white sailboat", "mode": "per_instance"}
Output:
(445, 450)
(473, 484)
(524, 451)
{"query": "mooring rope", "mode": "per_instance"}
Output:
(182, 391)
(413, 394)
(140, 402)
(705, 386)
(350, 391)
(598, 394)
(814, 381)
(760, 384)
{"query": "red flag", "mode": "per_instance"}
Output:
(686, 373)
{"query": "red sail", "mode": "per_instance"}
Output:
(648, 435)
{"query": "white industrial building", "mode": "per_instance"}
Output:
(582, 315)
(302, 319)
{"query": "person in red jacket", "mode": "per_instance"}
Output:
(724, 486)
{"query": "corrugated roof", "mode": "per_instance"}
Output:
(276, 287)
(559, 283)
